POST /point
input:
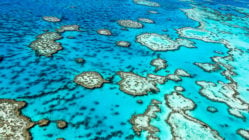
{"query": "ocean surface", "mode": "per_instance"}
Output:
(47, 84)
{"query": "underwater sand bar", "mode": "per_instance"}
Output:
(141, 122)
(183, 126)
(13, 125)
(147, 3)
(90, 79)
(157, 42)
(45, 44)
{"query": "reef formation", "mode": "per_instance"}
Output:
(212, 24)
(138, 76)
(90, 79)
(157, 42)
(147, 3)
(141, 122)
(45, 44)
(104, 32)
(14, 125)
(183, 126)
(51, 19)
(159, 64)
(130, 24)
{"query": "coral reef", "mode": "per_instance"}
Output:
(141, 122)
(159, 64)
(104, 32)
(157, 42)
(183, 126)
(147, 3)
(225, 93)
(90, 80)
(51, 19)
(61, 124)
(13, 125)
(80, 60)
(157, 78)
(43, 122)
(178, 102)
(45, 44)
(130, 24)
(220, 28)
(123, 43)
(181, 72)
(208, 67)
(153, 12)
(145, 20)
(179, 88)
(136, 85)
(177, 75)
(212, 109)
(68, 28)
(243, 133)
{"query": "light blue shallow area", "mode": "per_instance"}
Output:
(46, 83)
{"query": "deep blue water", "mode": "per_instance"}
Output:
(46, 83)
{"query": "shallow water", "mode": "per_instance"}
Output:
(46, 83)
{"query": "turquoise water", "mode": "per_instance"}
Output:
(46, 83)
